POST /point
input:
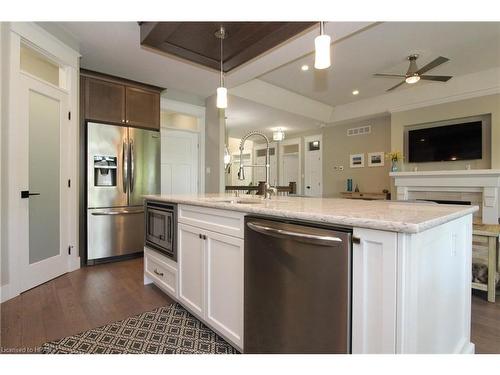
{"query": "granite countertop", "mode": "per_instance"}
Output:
(391, 216)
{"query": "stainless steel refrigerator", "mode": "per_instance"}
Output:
(123, 164)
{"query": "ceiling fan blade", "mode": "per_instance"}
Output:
(389, 75)
(393, 87)
(440, 60)
(436, 78)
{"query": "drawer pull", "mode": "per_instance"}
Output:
(158, 272)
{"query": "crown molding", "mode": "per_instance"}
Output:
(448, 99)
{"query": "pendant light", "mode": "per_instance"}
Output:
(322, 49)
(221, 90)
(278, 135)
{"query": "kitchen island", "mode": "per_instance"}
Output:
(411, 266)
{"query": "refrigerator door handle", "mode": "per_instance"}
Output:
(124, 166)
(132, 166)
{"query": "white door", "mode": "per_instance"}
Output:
(224, 285)
(290, 163)
(43, 165)
(179, 162)
(190, 258)
(260, 159)
(313, 167)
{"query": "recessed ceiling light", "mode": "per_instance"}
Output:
(305, 68)
(355, 92)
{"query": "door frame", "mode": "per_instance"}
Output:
(306, 141)
(262, 146)
(287, 142)
(68, 59)
(198, 112)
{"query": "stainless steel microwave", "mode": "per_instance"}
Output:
(161, 227)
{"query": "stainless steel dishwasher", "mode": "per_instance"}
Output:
(297, 287)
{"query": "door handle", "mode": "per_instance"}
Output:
(27, 194)
(124, 166)
(275, 232)
(132, 166)
(158, 272)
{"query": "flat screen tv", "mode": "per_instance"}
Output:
(463, 141)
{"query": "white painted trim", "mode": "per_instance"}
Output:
(37, 36)
(270, 95)
(199, 113)
(447, 99)
(471, 85)
(321, 145)
(5, 293)
(286, 142)
(43, 40)
(453, 173)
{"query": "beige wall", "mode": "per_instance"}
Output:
(337, 148)
(441, 112)
(178, 121)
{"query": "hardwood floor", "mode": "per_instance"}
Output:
(87, 298)
(485, 323)
(94, 296)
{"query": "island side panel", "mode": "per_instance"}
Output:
(434, 294)
(374, 292)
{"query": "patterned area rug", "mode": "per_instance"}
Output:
(165, 330)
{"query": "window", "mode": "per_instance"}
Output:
(39, 66)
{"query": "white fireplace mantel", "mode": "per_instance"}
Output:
(485, 181)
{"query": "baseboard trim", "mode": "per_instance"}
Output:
(468, 348)
(6, 293)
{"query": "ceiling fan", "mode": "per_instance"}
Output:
(413, 75)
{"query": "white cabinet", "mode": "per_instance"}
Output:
(191, 260)
(224, 285)
(160, 270)
(374, 281)
(211, 279)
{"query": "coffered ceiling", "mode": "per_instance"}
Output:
(197, 42)
(360, 49)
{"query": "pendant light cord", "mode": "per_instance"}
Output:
(222, 35)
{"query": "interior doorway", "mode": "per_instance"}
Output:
(313, 166)
(291, 163)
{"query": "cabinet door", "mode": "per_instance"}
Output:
(224, 285)
(374, 280)
(143, 108)
(191, 260)
(104, 101)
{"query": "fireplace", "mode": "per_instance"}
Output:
(472, 187)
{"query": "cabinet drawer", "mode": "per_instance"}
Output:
(221, 221)
(162, 271)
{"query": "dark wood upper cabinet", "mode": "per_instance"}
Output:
(142, 108)
(119, 101)
(104, 101)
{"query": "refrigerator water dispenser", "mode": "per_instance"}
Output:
(104, 171)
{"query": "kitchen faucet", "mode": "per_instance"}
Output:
(268, 190)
